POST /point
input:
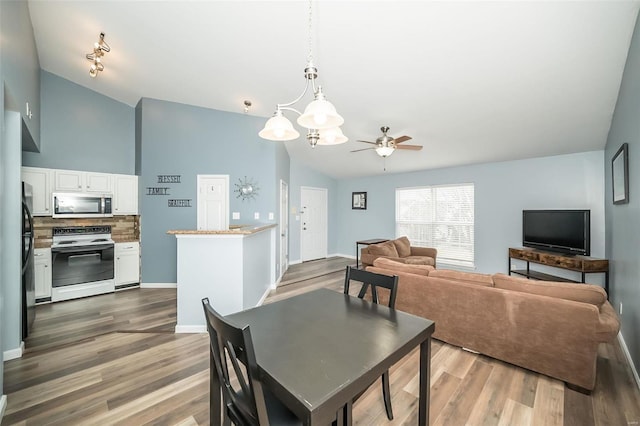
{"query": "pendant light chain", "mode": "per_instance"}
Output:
(310, 55)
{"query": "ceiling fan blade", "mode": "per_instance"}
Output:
(372, 143)
(363, 149)
(410, 147)
(402, 139)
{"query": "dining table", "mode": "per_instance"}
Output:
(317, 351)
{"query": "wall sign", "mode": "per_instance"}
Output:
(185, 202)
(158, 190)
(169, 178)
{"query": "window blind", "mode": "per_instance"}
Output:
(440, 217)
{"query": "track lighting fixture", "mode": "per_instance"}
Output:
(99, 49)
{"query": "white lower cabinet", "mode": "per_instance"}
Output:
(42, 267)
(127, 264)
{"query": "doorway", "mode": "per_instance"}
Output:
(213, 202)
(284, 227)
(313, 233)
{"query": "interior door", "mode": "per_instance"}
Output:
(313, 209)
(213, 202)
(284, 227)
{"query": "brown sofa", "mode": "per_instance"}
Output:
(399, 250)
(548, 327)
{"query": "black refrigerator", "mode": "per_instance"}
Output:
(28, 276)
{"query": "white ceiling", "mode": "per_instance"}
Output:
(473, 82)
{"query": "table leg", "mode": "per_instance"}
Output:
(344, 415)
(425, 379)
(357, 260)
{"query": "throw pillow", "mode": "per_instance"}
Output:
(469, 277)
(384, 249)
(403, 246)
(585, 293)
(390, 264)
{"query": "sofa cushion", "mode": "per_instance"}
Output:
(403, 246)
(467, 277)
(384, 249)
(586, 293)
(392, 265)
(418, 260)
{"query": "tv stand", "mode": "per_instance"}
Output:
(582, 264)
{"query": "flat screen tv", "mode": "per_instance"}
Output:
(563, 231)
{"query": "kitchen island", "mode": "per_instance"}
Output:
(234, 268)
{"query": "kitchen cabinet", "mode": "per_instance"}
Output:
(127, 264)
(42, 272)
(125, 196)
(77, 181)
(40, 180)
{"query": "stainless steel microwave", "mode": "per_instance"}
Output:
(67, 205)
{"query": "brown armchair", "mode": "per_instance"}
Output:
(399, 250)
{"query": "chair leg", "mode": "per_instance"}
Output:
(387, 394)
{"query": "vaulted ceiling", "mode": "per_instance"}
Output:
(472, 82)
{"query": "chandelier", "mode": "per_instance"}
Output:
(99, 49)
(320, 117)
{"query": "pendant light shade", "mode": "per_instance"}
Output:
(279, 128)
(320, 114)
(333, 136)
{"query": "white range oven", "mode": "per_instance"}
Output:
(82, 262)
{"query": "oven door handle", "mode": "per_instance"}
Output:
(81, 249)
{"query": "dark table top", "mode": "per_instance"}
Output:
(318, 350)
(372, 241)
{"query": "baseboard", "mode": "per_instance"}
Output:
(158, 285)
(348, 256)
(184, 329)
(264, 296)
(13, 353)
(3, 406)
(295, 262)
(625, 350)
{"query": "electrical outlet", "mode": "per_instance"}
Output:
(256, 215)
(620, 308)
(235, 215)
(513, 266)
(270, 215)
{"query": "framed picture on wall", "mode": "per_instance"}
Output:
(359, 200)
(620, 175)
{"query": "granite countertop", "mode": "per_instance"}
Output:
(233, 230)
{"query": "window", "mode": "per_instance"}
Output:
(440, 217)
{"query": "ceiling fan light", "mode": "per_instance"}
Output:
(278, 128)
(332, 136)
(384, 151)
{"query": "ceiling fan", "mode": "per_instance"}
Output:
(385, 145)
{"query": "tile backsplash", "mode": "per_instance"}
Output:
(123, 228)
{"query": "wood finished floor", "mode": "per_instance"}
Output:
(114, 360)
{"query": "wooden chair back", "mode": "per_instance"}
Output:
(373, 281)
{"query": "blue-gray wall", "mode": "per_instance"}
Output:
(19, 83)
(21, 73)
(502, 191)
(178, 139)
(623, 221)
(83, 130)
(303, 175)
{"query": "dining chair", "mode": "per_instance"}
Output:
(246, 403)
(375, 281)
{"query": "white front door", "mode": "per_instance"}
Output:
(313, 209)
(213, 202)
(284, 227)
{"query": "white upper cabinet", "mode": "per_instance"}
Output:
(77, 181)
(47, 181)
(40, 180)
(125, 196)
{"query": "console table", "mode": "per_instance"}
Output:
(583, 264)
